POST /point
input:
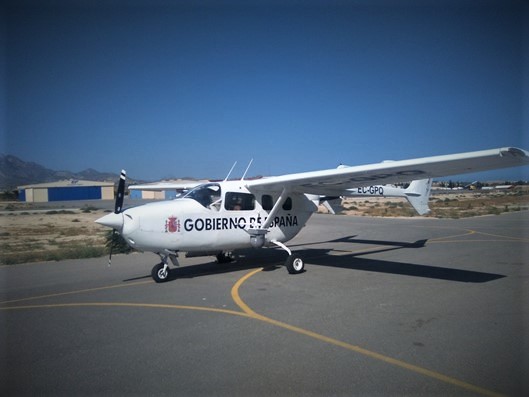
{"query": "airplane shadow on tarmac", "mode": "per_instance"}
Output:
(246, 259)
(354, 261)
(272, 259)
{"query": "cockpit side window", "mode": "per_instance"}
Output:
(207, 195)
(237, 201)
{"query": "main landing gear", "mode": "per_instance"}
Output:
(295, 264)
(224, 257)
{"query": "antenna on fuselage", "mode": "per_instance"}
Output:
(229, 173)
(247, 168)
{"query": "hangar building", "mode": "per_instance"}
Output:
(66, 190)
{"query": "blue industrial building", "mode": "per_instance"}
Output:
(66, 191)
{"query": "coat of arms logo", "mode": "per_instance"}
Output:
(172, 225)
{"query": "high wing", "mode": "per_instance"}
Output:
(337, 181)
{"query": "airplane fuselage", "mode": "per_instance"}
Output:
(213, 217)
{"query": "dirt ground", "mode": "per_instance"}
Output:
(29, 233)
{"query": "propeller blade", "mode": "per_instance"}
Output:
(111, 246)
(121, 192)
(117, 210)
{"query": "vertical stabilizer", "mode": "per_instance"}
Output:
(418, 194)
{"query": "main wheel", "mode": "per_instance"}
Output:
(159, 274)
(222, 257)
(295, 264)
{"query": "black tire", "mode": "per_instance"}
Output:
(295, 264)
(158, 274)
(223, 258)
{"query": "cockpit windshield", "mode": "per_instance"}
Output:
(206, 195)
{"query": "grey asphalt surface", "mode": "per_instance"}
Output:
(386, 307)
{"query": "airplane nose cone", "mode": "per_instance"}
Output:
(112, 220)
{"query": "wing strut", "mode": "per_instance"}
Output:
(280, 201)
(294, 263)
(257, 236)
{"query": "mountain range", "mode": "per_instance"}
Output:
(16, 172)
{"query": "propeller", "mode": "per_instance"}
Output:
(117, 209)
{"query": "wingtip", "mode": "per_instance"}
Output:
(514, 152)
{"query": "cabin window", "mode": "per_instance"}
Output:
(287, 205)
(236, 201)
(267, 202)
(209, 195)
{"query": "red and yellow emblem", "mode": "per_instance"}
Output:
(172, 225)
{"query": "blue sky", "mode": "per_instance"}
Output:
(172, 88)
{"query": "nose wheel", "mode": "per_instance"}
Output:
(160, 272)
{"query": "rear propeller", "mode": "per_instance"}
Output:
(117, 209)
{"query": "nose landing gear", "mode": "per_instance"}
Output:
(160, 272)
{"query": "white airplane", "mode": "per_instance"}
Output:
(220, 217)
